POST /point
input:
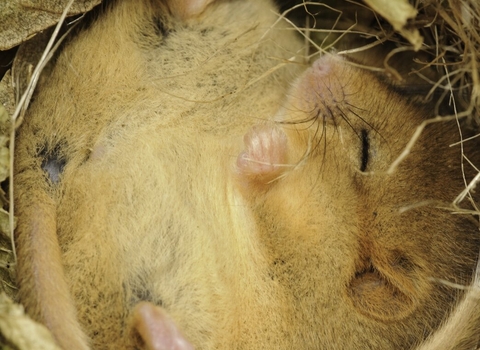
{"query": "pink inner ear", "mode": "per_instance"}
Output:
(185, 9)
(265, 153)
(157, 329)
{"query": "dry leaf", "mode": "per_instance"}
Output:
(4, 137)
(27, 58)
(398, 12)
(7, 265)
(4, 159)
(18, 331)
(21, 19)
(7, 95)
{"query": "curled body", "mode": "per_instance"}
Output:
(179, 157)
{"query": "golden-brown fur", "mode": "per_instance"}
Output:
(285, 238)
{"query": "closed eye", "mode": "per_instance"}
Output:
(365, 150)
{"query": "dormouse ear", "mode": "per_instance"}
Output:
(185, 9)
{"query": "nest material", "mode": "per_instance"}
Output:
(435, 35)
(445, 32)
(451, 37)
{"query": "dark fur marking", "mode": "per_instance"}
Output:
(140, 290)
(152, 34)
(160, 28)
(52, 163)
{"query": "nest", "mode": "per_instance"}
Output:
(437, 35)
(434, 35)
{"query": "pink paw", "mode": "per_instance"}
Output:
(157, 329)
(265, 153)
(185, 9)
